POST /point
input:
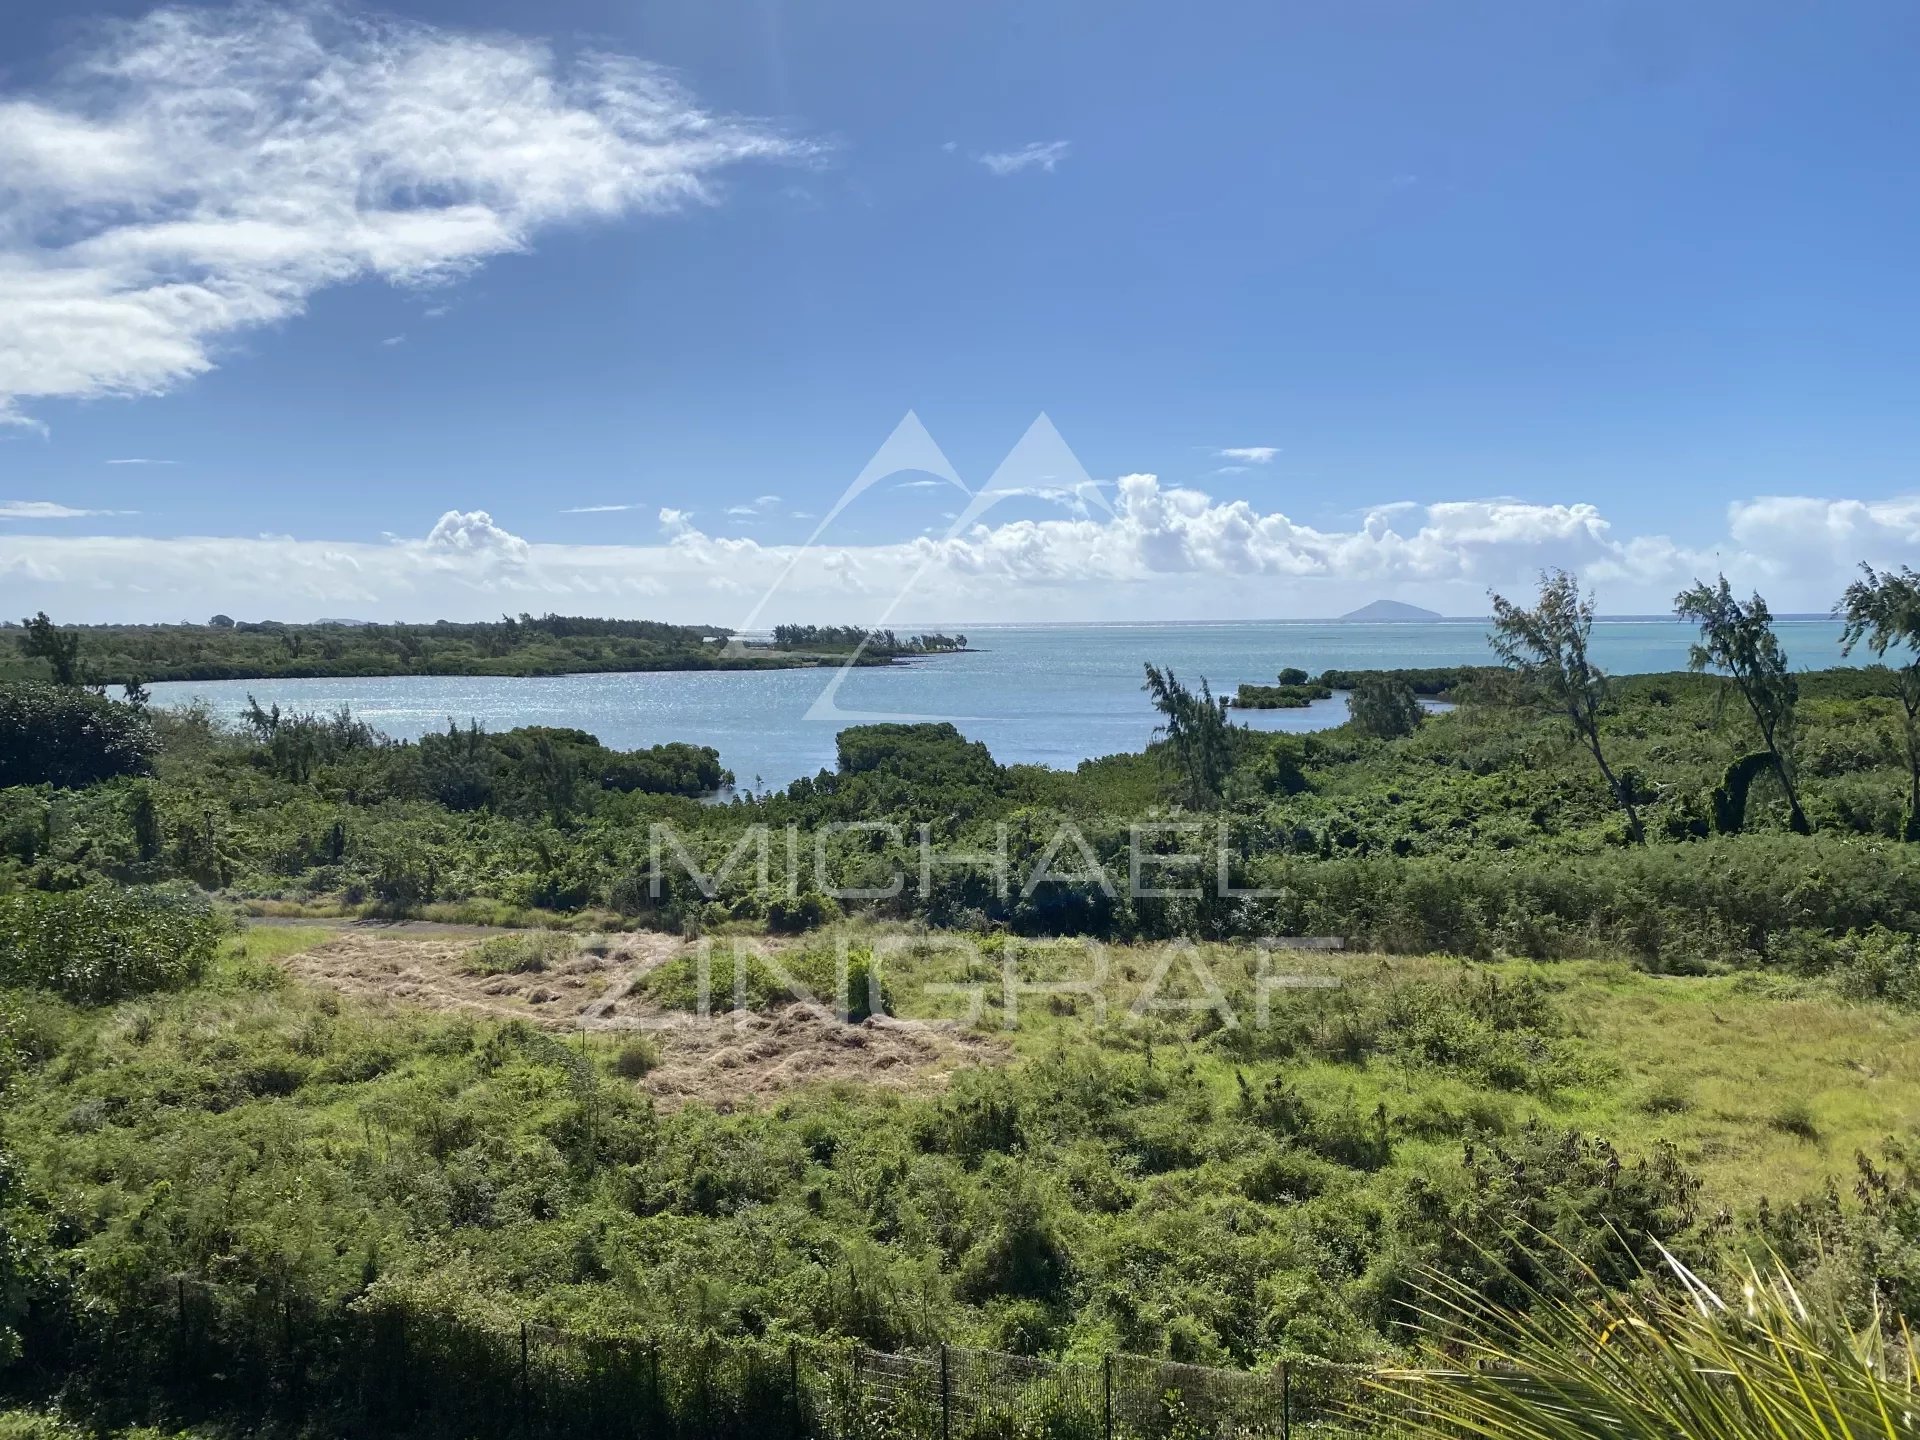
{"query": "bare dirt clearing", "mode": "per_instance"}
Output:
(723, 1059)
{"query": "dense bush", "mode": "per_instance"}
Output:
(104, 943)
(65, 736)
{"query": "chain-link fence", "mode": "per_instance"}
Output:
(398, 1369)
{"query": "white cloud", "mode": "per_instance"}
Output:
(1036, 155)
(201, 172)
(47, 510)
(1248, 454)
(597, 509)
(1160, 551)
(754, 509)
(138, 461)
(472, 532)
(392, 340)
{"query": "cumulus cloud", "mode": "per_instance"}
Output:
(1154, 551)
(1795, 534)
(1036, 155)
(472, 532)
(197, 173)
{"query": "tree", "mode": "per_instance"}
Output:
(1547, 647)
(221, 622)
(1739, 640)
(1197, 734)
(1883, 609)
(1384, 707)
(69, 737)
(59, 648)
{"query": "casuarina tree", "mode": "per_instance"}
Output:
(1547, 646)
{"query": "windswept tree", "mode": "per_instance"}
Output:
(1738, 640)
(1383, 706)
(1197, 734)
(1547, 647)
(59, 648)
(1883, 609)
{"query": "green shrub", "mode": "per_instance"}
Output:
(105, 942)
(809, 910)
(529, 952)
(65, 736)
(638, 1058)
(1795, 1117)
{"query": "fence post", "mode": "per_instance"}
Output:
(793, 1388)
(526, 1386)
(1106, 1394)
(1286, 1401)
(946, 1397)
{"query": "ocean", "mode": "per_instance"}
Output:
(1036, 694)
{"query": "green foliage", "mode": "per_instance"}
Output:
(44, 640)
(541, 770)
(1279, 697)
(796, 914)
(1730, 795)
(1558, 1363)
(103, 943)
(1385, 708)
(1547, 647)
(845, 979)
(527, 645)
(841, 639)
(1738, 639)
(532, 952)
(1883, 610)
(1198, 739)
(68, 737)
(637, 1059)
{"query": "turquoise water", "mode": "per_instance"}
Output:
(1039, 694)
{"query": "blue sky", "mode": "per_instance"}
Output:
(405, 298)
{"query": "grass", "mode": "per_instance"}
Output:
(526, 953)
(1765, 1089)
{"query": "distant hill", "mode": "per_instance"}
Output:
(1391, 610)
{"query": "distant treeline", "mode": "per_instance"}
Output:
(838, 638)
(1437, 681)
(226, 649)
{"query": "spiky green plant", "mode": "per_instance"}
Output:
(1677, 1362)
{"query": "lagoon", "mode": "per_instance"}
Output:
(1036, 694)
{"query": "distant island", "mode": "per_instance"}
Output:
(527, 645)
(1391, 610)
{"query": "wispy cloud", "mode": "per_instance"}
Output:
(760, 506)
(1250, 454)
(394, 340)
(48, 510)
(598, 509)
(204, 170)
(140, 461)
(1036, 155)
